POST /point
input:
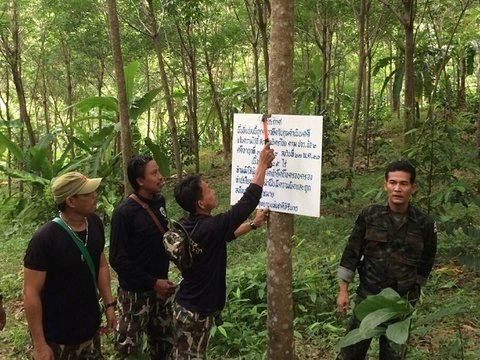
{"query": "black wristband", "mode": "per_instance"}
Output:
(112, 304)
(253, 226)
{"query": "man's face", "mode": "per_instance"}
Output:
(152, 181)
(208, 202)
(399, 189)
(84, 203)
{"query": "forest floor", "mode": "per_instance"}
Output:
(446, 324)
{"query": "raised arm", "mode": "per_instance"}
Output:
(265, 161)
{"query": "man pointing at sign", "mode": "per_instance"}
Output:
(201, 296)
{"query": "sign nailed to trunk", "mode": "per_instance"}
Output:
(292, 185)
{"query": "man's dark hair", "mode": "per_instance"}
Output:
(136, 169)
(188, 191)
(402, 165)
(62, 207)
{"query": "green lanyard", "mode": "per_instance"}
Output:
(80, 245)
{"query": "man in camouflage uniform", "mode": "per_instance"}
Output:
(391, 246)
(138, 256)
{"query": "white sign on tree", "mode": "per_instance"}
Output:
(292, 184)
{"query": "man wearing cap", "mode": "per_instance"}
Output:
(64, 271)
(138, 256)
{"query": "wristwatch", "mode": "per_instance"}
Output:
(253, 226)
(112, 304)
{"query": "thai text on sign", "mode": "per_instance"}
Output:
(292, 184)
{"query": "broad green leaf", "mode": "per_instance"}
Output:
(398, 332)
(470, 59)
(222, 331)
(14, 149)
(376, 318)
(389, 293)
(130, 71)
(102, 102)
(25, 176)
(227, 324)
(108, 117)
(397, 83)
(297, 334)
(355, 336)
(45, 141)
(386, 61)
(386, 81)
(58, 165)
(76, 165)
(160, 157)
(388, 298)
(40, 163)
(139, 106)
(81, 144)
(261, 293)
(213, 331)
(103, 135)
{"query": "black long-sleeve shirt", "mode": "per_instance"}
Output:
(203, 286)
(137, 253)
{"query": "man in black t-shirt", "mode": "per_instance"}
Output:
(64, 265)
(138, 256)
(201, 296)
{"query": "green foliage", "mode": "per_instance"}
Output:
(376, 314)
(159, 156)
(377, 145)
(107, 103)
(243, 331)
(450, 190)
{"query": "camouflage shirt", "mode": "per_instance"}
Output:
(389, 251)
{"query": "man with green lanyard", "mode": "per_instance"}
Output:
(65, 271)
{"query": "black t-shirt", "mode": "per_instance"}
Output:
(71, 313)
(137, 253)
(203, 286)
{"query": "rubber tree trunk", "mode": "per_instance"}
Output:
(13, 56)
(280, 228)
(125, 132)
(158, 46)
(226, 135)
(263, 10)
(478, 113)
(358, 93)
(408, 18)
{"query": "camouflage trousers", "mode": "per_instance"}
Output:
(143, 314)
(388, 349)
(88, 350)
(191, 332)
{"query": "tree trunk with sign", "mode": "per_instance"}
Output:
(280, 227)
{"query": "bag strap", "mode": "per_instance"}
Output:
(80, 245)
(149, 211)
